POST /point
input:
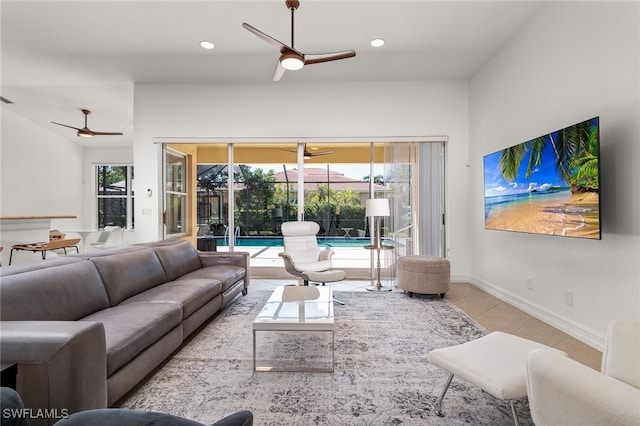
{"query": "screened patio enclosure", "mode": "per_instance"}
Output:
(237, 195)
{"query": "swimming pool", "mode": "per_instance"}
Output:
(277, 242)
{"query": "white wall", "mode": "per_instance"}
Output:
(572, 62)
(273, 110)
(44, 174)
(40, 174)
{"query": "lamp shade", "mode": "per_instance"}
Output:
(377, 207)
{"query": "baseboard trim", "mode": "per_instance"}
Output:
(584, 334)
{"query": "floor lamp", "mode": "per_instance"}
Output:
(375, 208)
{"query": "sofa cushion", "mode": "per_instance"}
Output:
(178, 259)
(129, 273)
(226, 274)
(189, 294)
(130, 329)
(66, 291)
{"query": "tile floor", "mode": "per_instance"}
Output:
(488, 311)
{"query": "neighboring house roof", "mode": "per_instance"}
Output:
(337, 180)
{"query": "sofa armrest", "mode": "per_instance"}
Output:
(236, 258)
(564, 392)
(62, 365)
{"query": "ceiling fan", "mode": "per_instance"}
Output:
(306, 154)
(290, 58)
(85, 132)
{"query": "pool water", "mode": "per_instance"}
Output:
(277, 242)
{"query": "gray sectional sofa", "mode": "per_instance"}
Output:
(84, 330)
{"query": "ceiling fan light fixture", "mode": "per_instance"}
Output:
(207, 45)
(377, 42)
(291, 61)
(84, 134)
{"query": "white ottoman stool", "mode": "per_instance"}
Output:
(424, 274)
(496, 363)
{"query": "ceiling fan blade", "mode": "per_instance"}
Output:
(317, 58)
(308, 154)
(106, 133)
(272, 41)
(278, 72)
(65, 125)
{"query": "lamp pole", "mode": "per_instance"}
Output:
(376, 208)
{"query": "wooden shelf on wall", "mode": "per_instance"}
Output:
(37, 217)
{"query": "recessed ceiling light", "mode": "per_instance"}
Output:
(377, 42)
(207, 45)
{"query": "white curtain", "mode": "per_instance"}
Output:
(430, 200)
(415, 176)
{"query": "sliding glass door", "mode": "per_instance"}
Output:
(245, 191)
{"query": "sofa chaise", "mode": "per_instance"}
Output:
(83, 330)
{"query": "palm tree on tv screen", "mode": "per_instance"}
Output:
(575, 149)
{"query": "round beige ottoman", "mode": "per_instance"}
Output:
(424, 274)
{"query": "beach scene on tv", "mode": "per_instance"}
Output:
(547, 185)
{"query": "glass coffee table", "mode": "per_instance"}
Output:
(301, 309)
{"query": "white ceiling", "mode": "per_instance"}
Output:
(61, 56)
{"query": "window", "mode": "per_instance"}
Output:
(115, 196)
(176, 188)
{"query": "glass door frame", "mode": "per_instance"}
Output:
(231, 142)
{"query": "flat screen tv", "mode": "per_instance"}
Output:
(547, 185)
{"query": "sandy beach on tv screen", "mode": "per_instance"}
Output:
(576, 216)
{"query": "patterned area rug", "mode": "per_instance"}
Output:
(381, 377)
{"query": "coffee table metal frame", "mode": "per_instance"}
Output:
(297, 309)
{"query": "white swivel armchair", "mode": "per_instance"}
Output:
(304, 258)
(562, 391)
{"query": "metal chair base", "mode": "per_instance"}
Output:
(440, 413)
